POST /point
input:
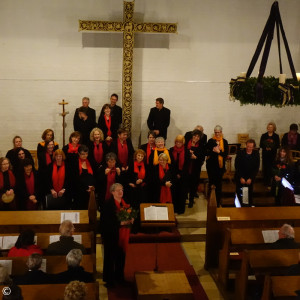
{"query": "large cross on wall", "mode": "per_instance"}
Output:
(128, 27)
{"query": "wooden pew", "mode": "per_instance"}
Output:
(54, 291)
(237, 240)
(263, 262)
(54, 264)
(43, 240)
(219, 219)
(280, 286)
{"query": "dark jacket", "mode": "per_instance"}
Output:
(247, 165)
(64, 246)
(74, 273)
(159, 120)
(285, 243)
(34, 277)
(91, 113)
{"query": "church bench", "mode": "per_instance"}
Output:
(54, 291)
(261, 263)
(43, 240)
(237, 240)
(220, 218)
(54, 264)
(280, 286)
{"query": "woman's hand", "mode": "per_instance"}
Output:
(32, 198)
(9, 192)
(107, 170)
(54, 194)
(242, 180)
(277, 178)
(61, 192)
(216, 149)
(168, 184)
(118, 171)
(139, 181)
(132, 185)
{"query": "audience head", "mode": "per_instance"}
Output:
(34, 261)
(106, 109)
(74, 258)
(179, 141)
(139, 155)
(294, 127)
(48, 135)
(25, 239)
(75, 290)
(4, 276)
(286, 231)
(96, 135)
(59, 155)
(113, 99)
(66, 228)
(160, 142)
(159, 102)
(5, 164)
(271, 127)
(85, 101)
(75, 137)
(15, 293)
(17, 141)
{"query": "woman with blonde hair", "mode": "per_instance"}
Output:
(269, 143)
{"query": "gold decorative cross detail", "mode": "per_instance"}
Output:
(128, 27)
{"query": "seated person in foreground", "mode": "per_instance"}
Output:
(24, 245)
(66, 241)
(34, 275)
(15, 291)
(75, 271)
(294, 270)
(75, 290)
(286, 239)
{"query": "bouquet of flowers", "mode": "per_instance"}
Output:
(127, 214)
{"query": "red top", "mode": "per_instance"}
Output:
(14, 252)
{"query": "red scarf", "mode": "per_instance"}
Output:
(165, 192)
(179, 151)
(139, 169)
(108, 125)
(48, 158)
(12, 179)
(124, 231)
(72, 149)
(189, 146)
(58, 176)
(29, 181)
(111, 179)
(88, 165)
(123, 153)
(149, 150)
(98, 152)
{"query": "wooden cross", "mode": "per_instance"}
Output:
(128, 27)
(63, 114)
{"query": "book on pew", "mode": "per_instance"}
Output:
(74, 217)
(270, 236)
(156, 213)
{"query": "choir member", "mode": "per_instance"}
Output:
(149, 147)
(90, 112)
(17, 165)
(217, 151)
(160, 148)
(269, 143)
(180, 158)
(47, 136)
(7, 186)
(291, 139)
(71, 149)
(28, 187)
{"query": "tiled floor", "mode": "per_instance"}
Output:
(195, 251)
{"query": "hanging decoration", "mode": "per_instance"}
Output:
(268, 90)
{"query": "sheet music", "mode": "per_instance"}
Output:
(44, 265)
(245, 191)
(7, 264)
(55, 238)
(1, 241)
(72, 216)
(297, 198)
(9, 241)
(270, 236)
(156, 213)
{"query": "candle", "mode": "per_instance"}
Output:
(282, 78)
(298, 76)
(243, 74)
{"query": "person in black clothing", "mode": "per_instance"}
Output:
(149, 147)
(66, 241)
(116, 110)
(291, 139)
(47, 136)
(159, 118)
(286, 238)
(34, 275)
(216, 151)
(188, 135)
(91, 113)
(269, 142)
(246, 168)
(75, 271)
(84, 125)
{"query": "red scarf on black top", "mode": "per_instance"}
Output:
(111, 179)
(58, 176)
(139, 169)
(72, 149)
(108, 125)
(48, 158)
(88, 165)
(124, 231)
(29, 181)
(165, 192)
(123, 153)
(189, 146)
(98, 152)
(179, 151)
(12, 180)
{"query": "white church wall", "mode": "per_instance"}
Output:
(44, 60)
